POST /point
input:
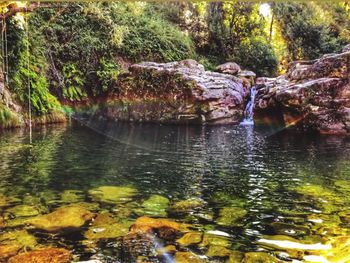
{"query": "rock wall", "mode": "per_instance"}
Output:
(177, 92)
(312, 95)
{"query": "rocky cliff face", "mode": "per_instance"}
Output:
(312, 95)
(177, 92)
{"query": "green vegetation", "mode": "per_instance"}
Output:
(77, 50)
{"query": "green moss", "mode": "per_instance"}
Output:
(8, 119)
(112, 194)
(231, 216)
(155, 205)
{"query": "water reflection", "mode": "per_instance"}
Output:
(272, 182)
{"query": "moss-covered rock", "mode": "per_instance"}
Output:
(214, 240)
(188, 205)
(22, 211)
(155, 205)
(113, 194)
(231, 216)
(218, 251)
(187, 257)
(7, 251)
(72, 196)
(190, 239)
(48, 255)
(259, 257)
(235, 257)
(290, 229)
(19, 238)
(69, 218)
(165, 228)
(105, 227)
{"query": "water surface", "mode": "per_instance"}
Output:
(285, 186)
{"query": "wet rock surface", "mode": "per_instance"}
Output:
(63, 219)
(49, 255)
(177, 92)
(312, 95)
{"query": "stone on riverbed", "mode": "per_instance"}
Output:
(105, 226)
(165, 228)
(231, 216)
(156, 206)
(187, 257)
(188, 205)
(190, 239)
(48, 255)
(22, 211)
(69, 218)
(113, 194)
(19, 238)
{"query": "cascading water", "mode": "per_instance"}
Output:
(249, 109)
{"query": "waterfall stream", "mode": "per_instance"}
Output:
(249, 109)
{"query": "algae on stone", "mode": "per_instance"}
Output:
(218, 251)
(215, 240)
(72, 196)
(105, 226)
(63, 219)
(187, 257)
(20, 238)
(190, 238)
(7, 251)
(48, 255)
(23, 211)
(231, 216)
(113, 194)
(188, 205)
(259, 257)
(155, 205)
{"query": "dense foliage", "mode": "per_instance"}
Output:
(77, 50)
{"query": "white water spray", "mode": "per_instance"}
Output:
(249, 109)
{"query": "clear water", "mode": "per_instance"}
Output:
(300, 182)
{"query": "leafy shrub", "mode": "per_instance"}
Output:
(257, 55)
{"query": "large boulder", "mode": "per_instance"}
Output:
(177, 92)
(231, 68)
(312, 95)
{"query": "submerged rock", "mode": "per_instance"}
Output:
(7, 251)
(187, 257)
(190, 239)
(48, 255)
(290, 229)
(18, 238)
(71, 196)
(235, 257)
(257, 257)
(69, 218)
(188, 205)
(105, 227)
(112, 194)
(22, 211)
(214, 240)
(165, 228)
(231, 216)
(156, 205)
(218, 251)
(177, 92)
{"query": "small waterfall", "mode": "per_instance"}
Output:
(249, 109)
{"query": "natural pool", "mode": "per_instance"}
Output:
(216, 194)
